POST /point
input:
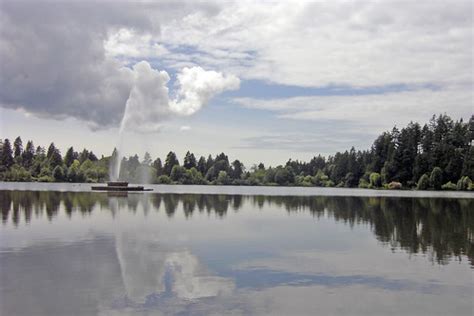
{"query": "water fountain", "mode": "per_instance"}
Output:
(119, 186)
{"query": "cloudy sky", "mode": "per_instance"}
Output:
(259, 81)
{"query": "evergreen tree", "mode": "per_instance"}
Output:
(55, 159)
(158, 167)
(209, 163)
(146, 159)
(7, 154)
(170, 162)
(51, 150)
(17, 148)
(189, 161)
(28, 154)
(237, 169)
(380, 151)
(83, 156)
(202, 165)
(70, 156)
(92, 156)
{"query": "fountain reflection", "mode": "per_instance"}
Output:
(154, 271)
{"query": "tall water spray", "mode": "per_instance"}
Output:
(117, 162)
(149, 105)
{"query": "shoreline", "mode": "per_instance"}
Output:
(242, 190)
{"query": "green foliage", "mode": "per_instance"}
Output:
(423, 183)
(157, 165)
(45, 179)
(449, 186)
(284, 176)
(189, 161)
(70, 156)
(211, 174)
(17, 173)
(74, 173)
(170, 162)
(195, 177)
(320, 178)
(350, 180)
(28, 155)
(375, 180)
(257, 177)
(6, 158)
(237, 169)
(436, 178)
(58, 174)
(329, 184)
(464, 184)
(441, 150)
(223, 178)
(363, 184)
(164, 179)
(178, 174)
(202, 165)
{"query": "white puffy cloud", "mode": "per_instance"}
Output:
(149, 103)
(197, 86)
(191, 281)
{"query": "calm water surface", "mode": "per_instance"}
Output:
(67, 251)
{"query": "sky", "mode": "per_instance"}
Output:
(260, 81)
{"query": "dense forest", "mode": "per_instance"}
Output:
(437, 155)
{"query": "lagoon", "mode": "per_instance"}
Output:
(201, 250)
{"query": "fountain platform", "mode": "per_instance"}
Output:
(119, 186)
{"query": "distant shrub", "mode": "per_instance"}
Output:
(45, 179)
(58, 173)
(17, 173)
(350, 180)
(329, 183)
(320, 179)
(164, 179)
(394, 185)
(449, 186)
(375, 180)
(436, 178)
(464, 184)
(423, 183)
(223, 178)
(363, 184)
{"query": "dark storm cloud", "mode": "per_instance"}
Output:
(53, 61)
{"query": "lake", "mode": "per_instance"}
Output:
(210, 250)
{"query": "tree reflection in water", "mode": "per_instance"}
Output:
(440, 227)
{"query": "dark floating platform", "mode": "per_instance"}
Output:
(119, 186)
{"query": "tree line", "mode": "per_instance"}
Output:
(438, 155)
